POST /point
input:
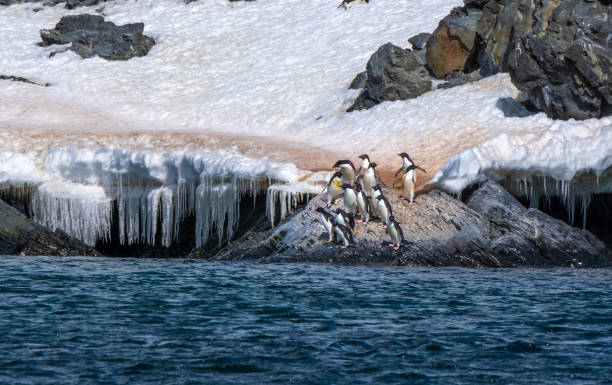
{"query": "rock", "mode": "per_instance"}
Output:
(564, 64)
(457, 78)
(393, 73)
(21, 236)
(70, 4)
(22, 80)
(521, 236)
(359, 81)
(418, 41)
(493, 229)
(90, 35)
(452, 46)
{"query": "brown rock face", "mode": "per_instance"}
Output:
(452, 45)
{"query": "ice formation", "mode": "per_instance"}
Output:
(569, 161)
(151, 192)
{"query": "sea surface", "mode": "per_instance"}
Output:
(149, 321)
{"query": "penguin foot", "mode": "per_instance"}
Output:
(343, 247)
(396, 248)
(329, 241)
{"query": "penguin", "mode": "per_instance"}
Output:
(369, 178)
(374, 202)
(383, 207)
(334, 188)
(344, 234)
(344, 218)
(409, 180)
(350, 199)
(327, 220)
(363, 204)
(365, 164)
(395, 232)
(406, 161)
(347, 3)
(348, 171)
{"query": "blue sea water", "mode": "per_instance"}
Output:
(145, 321)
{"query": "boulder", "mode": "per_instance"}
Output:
(490, 229)
(360, 81)
(90, 35)
(393, 73)
(418, 41)
(452, 46)
(458, 78)
(21, 236)
(564, 64)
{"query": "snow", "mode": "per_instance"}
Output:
(220, 104)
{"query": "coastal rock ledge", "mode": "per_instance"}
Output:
(490, 229)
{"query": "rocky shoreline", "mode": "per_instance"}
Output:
(488, 228)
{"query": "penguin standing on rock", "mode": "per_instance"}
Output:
(344, 234)
(409, 178)
(333, 188)
(365, 163)
(383, 207)
(395, 232)
(347, 3)
(345, 219)
(363, 204)
(350, 199)
(327, 220)
(347, 169)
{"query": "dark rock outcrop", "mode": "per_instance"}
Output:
(70, 4)
(452, 46)
(458, 78)
(21, 236)
(90, 35)
(360, 81)
(565, 63)
(393, 73)
(22, 80)
(418, 41)
(492, 229)
(557, 52)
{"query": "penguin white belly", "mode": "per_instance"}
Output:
(369, 181)
(350, 201)
(394, 234)
(362, 207)
(409, 185)
(381, 207)
(328, 226)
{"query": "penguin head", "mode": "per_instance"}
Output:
(346, 186)
(357, 187)
(344, 163)
(392, 219)
(321, 210)
(376, 187)
(364, 156)
(373, 165)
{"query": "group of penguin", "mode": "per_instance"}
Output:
(362, 195)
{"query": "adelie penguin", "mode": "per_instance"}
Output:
(348, 171)
(333, 188)
(350, 199)
(409, 178)
(365, 163)
(383, 207)
(347, 3)
(344, 235)
(370, 178)
(327, 220)
(394, 230)
(363, 203)
(345, 219)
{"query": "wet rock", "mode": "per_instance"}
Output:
(452, 46)
(21, 236)
(90, 35)
(418, 41)
(565, 63)
(394, 73)
(492, 229)
(363, 102)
